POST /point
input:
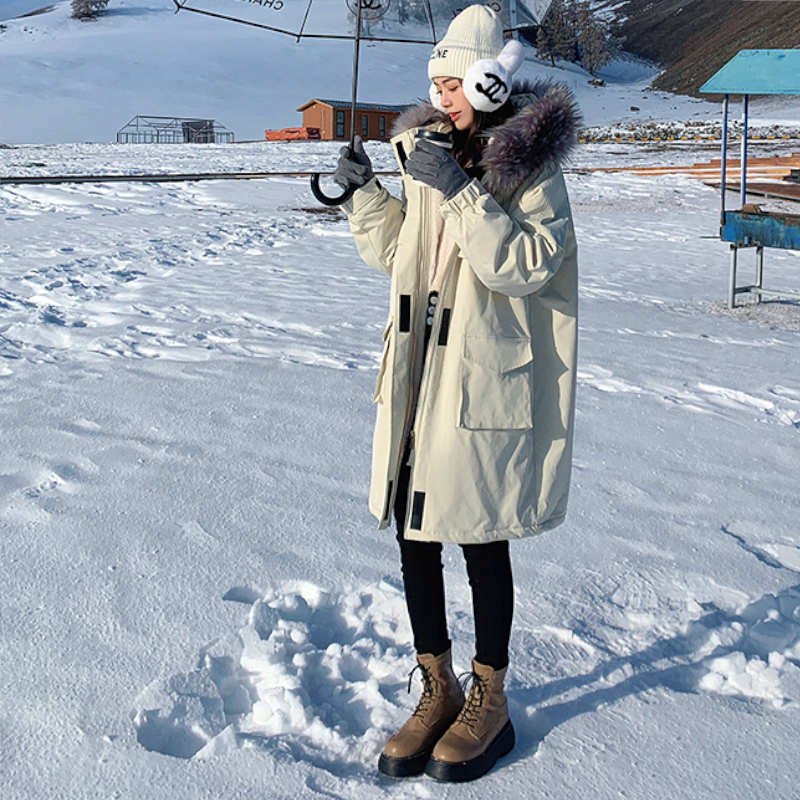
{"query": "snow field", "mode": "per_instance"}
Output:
(114, 302)
(325, 672)
(183, 483)
(196, 603)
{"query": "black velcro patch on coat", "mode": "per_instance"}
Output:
(405, 313)
(386, 504)
(445, 326)
(416, 511)
(401, 154)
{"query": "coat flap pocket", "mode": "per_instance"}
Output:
(496, 378)
(498, 353)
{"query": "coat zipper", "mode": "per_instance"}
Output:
(427, 367)
(412, 356)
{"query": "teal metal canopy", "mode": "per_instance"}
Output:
(757, 72)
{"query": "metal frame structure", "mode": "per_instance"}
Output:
(149, 129)
(754, 72)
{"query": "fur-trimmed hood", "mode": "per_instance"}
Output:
(539, 134)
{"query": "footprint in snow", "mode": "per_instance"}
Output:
(762, 660)
(321, 673)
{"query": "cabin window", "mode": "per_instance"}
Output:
(340, 124)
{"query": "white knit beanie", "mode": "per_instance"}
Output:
(473, 50)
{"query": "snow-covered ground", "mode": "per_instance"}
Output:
(195, 600)
(304, 156)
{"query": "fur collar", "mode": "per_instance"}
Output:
(538, 136)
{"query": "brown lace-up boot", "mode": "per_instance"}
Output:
(407, 751)
(481, 733)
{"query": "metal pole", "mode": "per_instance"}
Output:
(430, 19)
(355, 76)
(759, 270)
(732, 284)
(724, 156)
(512, 13)
(303, 26)
(743, 181)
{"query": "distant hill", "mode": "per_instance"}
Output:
(62, 80)
(16, 8)
(694, 38)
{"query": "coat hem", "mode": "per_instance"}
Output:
(482, 537)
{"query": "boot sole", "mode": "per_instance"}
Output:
(404, 767)
(456, 772)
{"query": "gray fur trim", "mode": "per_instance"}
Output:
(414, 116)
(539, 135)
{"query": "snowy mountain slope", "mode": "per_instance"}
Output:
(695, 38)
(66, 80)
(63, 80)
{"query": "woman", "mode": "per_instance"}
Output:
(473, 438)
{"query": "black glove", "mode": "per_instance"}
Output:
(353, 169)
(435, 166)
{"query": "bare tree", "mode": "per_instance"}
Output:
(556, 38)
(592, 38)
(544, 43)
(572, 16)
(88, 9)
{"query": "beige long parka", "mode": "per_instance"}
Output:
(491, 413)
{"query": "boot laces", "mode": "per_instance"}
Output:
(426, 698)
(471, 709)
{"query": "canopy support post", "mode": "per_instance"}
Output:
(513, 17)
(759, 270)
(724, 158)
(430, 19)
(743, 180)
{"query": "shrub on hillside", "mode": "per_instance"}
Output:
(86, 9)
(571, 31)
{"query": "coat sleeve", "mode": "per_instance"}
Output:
(375, 218)
(512, 253)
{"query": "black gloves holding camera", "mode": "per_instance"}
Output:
(435, 166)
(428, 163)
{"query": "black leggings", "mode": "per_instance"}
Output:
(489, 572)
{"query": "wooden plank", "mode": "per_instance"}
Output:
(781, 191)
